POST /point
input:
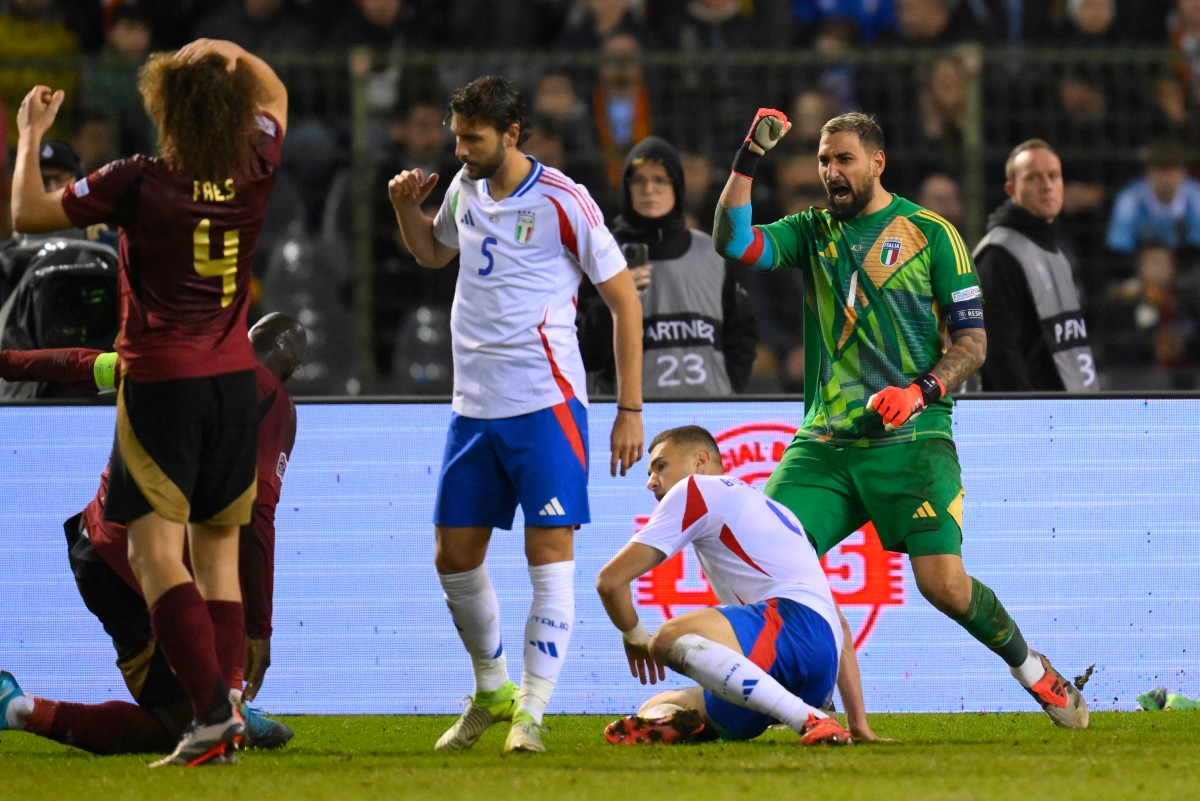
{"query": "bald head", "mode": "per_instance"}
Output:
(279, 341)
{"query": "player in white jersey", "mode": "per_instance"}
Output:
(525, 235)
(770, 651)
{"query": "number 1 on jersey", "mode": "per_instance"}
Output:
(225, 266)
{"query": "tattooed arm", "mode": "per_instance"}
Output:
(965, 356)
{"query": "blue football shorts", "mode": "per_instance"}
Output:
(539, 460)
(793, 644)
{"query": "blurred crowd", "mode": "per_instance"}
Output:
(1114, 87)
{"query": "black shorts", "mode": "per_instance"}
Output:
(186, 449)
(126, 620)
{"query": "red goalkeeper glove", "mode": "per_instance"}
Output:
(768, 128)
(898, 406)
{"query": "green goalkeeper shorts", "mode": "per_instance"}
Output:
(912, 491)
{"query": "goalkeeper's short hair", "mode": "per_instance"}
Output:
(864, 125)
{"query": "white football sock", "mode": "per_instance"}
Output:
(732, 676)
(19, 710)
(1029, 671)
(547, 633)
(476, 614)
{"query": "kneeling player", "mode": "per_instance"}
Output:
(770, 652)
(98, 554)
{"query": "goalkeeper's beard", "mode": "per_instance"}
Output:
(860, 197)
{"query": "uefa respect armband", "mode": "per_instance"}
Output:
(964, 314)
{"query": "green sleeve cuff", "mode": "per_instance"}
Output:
(104, 369)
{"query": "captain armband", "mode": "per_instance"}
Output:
(964, 314)
(104, 370)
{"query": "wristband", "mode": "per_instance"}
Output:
(104, 371)
(636, 636)
(931, 387)
(628, 409)
(745, 161)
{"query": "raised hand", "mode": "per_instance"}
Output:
(38, 111)
(410, 188)
(769, 126)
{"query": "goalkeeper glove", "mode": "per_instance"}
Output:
(898, 406)
(768, 128)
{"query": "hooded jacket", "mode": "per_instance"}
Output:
(697, 318)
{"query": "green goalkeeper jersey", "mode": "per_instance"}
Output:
(874, 288)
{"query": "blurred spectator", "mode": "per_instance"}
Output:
(871, 18)
(620, 104)
(714, 90)
(95, 140)
(835, 39)
(110, 86)
(420, 139)
(796, 180)
(807, 112)
(384, 23)
(590, 23)
(259, 26)
(60, 165)
(1037, 336)
(703, 188)
(699, 327)
(1163, 207)
(545, 143)
(934, 23)
(942, 195)
(519, 24)
(1183, 33)
(887, 88)
(934, 135)
(556, 101)
(1152, 325)
(38, 48)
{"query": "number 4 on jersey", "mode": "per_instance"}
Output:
(224, 266)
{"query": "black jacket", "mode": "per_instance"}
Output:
(1018, 358)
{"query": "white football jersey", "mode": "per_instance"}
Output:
(750, 547)
(520, 263)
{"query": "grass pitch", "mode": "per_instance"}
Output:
(979, 757)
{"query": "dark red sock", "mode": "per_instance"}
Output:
(229, 632)
(185, 633)
(114, 727)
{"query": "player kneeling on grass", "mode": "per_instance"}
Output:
(98, 551)
(770, 652)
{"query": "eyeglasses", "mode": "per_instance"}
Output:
(658, 181)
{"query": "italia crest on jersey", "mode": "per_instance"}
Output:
(890, 252)
(525, 221)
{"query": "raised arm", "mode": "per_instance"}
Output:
(408, 191)
(34, 210)
(273, 96)
(733, 235)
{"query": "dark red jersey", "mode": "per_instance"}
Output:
(186, 250)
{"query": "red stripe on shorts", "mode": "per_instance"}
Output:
(763, 652)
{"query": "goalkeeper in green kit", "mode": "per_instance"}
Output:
(893, 317)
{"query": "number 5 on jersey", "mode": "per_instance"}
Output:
(488, 241)
(224, 266)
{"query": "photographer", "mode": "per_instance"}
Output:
(699, 333)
